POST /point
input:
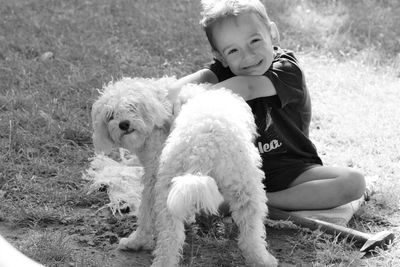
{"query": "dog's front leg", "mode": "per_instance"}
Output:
(143, 237)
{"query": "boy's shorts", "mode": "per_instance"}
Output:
(284, 173)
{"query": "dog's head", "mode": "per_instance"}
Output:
(128, 111)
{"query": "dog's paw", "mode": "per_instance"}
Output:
(134, 243)
(272, 261)
(266, 261)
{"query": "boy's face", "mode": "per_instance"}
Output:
(244, 44)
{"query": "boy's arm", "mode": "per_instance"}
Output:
(249, 87)
(200, 76)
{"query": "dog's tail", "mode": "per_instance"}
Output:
(192, 193)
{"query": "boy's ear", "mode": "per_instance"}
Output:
(274, 32)
(218, 56)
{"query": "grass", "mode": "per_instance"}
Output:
(53, 248)
(351, 59)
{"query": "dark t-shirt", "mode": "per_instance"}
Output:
(282, 121)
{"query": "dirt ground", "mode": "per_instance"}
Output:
(95, 236)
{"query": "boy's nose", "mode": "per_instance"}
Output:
(249, 53)
(249, 58)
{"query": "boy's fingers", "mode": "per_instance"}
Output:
(176, 108)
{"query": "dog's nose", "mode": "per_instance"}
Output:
(124, 125)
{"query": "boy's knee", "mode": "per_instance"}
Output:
(355, 186)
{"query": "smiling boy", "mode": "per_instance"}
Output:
(271, 81)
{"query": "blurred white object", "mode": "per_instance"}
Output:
(11, 257)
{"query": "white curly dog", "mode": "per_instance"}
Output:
(192, 162)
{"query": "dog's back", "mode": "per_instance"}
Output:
(213, 136)
(215, 111)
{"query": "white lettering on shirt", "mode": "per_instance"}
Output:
(267, 147)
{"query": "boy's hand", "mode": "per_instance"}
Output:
(173, 97)
(176, 108)
(201, 76)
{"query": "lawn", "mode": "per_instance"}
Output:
(55, 55)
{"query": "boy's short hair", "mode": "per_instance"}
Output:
(216, 10)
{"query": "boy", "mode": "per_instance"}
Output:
(271, 81)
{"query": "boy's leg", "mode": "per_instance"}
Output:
(320, 188)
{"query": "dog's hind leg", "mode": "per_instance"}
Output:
(248, 211)
(171, 234)
(187, 194)
(143, 237)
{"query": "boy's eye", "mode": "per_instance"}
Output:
(232, 51)
(254, 41)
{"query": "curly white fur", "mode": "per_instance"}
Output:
(191, 163)
(122, 179)
(198, 192)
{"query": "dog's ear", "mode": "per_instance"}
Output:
(101, 138)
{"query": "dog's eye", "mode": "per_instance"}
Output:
(110, 116)
(132, 108)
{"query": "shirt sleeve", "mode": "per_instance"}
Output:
(287, 78)
(222, 73)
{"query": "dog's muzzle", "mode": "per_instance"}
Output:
(124, 126)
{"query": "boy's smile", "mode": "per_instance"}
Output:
(254, 65)
(244, 44)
